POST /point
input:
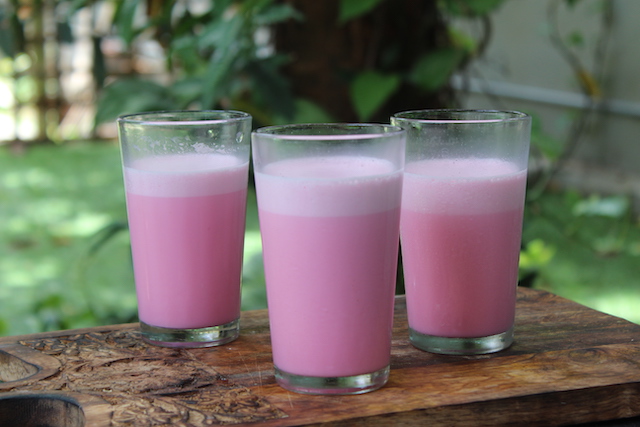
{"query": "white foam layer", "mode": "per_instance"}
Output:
(329, 186)
(186, 175)
(463, 186)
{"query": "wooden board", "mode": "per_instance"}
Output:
(568, 365)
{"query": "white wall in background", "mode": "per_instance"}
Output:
(528, 73)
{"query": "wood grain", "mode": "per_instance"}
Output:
(568, 365)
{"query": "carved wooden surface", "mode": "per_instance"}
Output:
(568, 365)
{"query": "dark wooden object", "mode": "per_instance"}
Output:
(568, 365)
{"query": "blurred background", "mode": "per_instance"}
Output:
(68, 68)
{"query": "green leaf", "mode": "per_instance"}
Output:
(64, 33)
(227, 42)
(185, 50)
(536, 254)
(222, 32)
(219, 70)
(576, 39)
(75, 5)
(99, 69)
(571, 3)
(470, 7)
(370, 90)
(12, 38)
(305, 111)
(272, 88)
(463, 40)
(132, 96)
(309, 112)
(277, 13)
(433, 69)
(106, 234)
(549, 146)
(610, 207)
(187, 90)
(249, 6)
(124, 19)
(350, 9)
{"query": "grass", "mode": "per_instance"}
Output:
(54, 200)
(595, 251)
(57, 202)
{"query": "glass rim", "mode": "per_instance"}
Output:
(439, 116)
(277, 131)
(183, 117)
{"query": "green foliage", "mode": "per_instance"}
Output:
(308, 112)
(549, 147)
(615, 211)
(429, 72)
(222, 57)
(213, 58)
(12, 38)
(370, 90)
(572, 3)
(124, 19)
(54, 199)
(149, 96)
(535, 256)
(470, 8)
(433, 69)
(463, 41)
(612, 207)
(576, 38)
(216, 61)
(585, 249)
(350, 9)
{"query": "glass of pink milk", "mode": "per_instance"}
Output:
(329, 208)
(185, 176)
(461, 226)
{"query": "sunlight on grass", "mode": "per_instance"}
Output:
(53, 200)
(49, 211)
(30, 178)
(16, 225)
(253, 290)
(252, 247)
(253, 287)
(619, 304)
(84, 224)
(583, 268)
(20, 272)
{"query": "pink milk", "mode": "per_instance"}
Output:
(461, 226)
(187, 217)
(330, 247)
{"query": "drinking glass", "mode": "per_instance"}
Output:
(461, 226)
(329, 208)
(185, 176)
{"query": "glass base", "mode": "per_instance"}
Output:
(190, 338)
(461, 346)
(356, 384)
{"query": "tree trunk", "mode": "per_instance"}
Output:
(326, 55)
